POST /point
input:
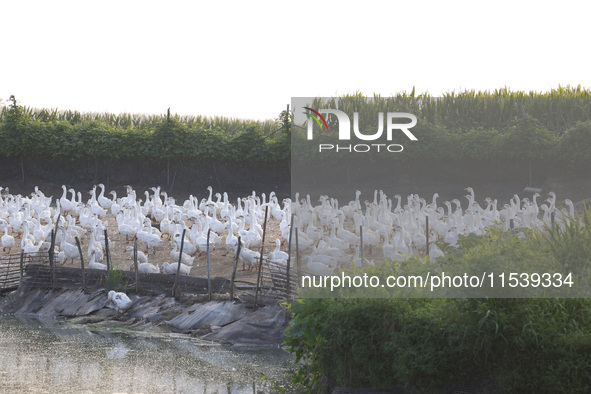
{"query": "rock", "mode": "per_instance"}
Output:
(262, 327)
(55, 303)
(203, 330)
(212, 313)
(221, 321)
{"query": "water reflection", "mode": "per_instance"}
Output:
(54, 356)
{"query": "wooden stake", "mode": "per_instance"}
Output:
(52, 250)
(107, 251)
(427, 232)
(137, 274)
(297, 251)
(208, 276)
(51, 262)
(361, 244)
(81, 262)
(261, 259)
(234, 269)
(22, 267)
(289, 250)
(178, 267)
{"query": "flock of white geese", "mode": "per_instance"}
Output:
(328, 234)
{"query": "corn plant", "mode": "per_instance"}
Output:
(569, 240)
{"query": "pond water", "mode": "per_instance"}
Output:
(55, 356)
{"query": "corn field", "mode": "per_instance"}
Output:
(229, 126)
(556, 110)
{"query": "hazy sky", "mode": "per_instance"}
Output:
(248, 58)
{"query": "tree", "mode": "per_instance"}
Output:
(14, 124)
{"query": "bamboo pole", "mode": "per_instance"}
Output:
(52, 250)
(261, 259)
(81, 262)
(234, 269)
(178, 267)
(289, 253)
(297, 251)
(137, 275)
(361, 244)
(51, 262)
(427, 232)
(22, 267)
(107, 251)
(208, 276)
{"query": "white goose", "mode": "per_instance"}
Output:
(65, 204)
(7, 240)
(115, 206)
(70, 251)
(168, 268)
(30, 248)
(155, 237)
(145, 268)
(124, 228)
(249, 257)
(319, 268)
(95, 206)
(346, 235)
(93, 265)
(95, 248)
(120, 301)
(434, 251)
(451, 237)
(357, 259)
(103, 201)
(174, 255)
(188, 247)
(197, 236)
(167, 227)
(278, 254)
(326, 259)
(207, 202)
(231, 239)
(141, 256)
(390, 251)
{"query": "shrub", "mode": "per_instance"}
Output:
(537, 345)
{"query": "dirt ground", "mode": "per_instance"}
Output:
(221, 261)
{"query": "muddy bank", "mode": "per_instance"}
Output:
(218, 320)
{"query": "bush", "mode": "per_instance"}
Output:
(114, 280)
(537, 345)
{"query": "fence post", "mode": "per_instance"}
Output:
(22, 267)
(137, 276)
(208, 276)
(289, 256)
(51, 260)
(52, 251)
(261, 259)
(107, 251)
(178, 267)
(234, 269)
(361, 244)
(427, 232)
(81, 262)
(297, 252)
